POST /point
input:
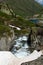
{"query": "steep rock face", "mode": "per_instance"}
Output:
(37, 39)
(7, 42)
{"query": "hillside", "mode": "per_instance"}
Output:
(25, 8)
(6, 20)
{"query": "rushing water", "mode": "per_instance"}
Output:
(20, 48)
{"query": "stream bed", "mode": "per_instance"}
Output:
(20, 48)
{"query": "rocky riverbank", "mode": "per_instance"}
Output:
(38, 45)
(37, 39)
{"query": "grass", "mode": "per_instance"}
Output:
(5, 16)
(25, 7)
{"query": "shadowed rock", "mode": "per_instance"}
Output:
(29, 39)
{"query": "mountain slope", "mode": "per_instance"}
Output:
(25, 7)
(40, 1)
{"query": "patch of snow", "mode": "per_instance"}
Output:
(18, 28)
(33, 56)
(15, 27)
(12, 26)
(7, 58)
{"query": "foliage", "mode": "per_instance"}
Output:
(4, 29)
(25, 7)
(5, 16)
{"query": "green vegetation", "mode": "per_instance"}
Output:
(5, 16)
(4, 30)
(25, 8)
(22, 23)
(18, 22)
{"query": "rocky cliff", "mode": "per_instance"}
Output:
(37, 39)
(6, 42)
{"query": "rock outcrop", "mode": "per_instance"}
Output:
(6, 42)
(37, 39)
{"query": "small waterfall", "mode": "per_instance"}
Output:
(21, 48)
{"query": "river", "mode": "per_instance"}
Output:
(20, 48)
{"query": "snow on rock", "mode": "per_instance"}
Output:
(33, 56)
(18, 28)
(7, 58)
(14, 27)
